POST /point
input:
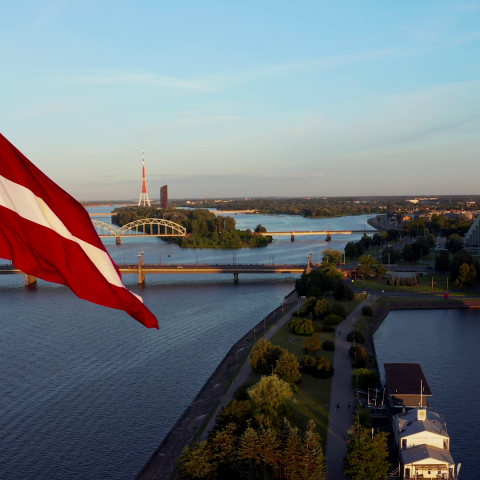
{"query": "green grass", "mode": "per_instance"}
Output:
(363, 324)
(425, 285)
(349, 306)
(313, 394)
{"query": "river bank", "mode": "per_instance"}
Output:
(189, 426)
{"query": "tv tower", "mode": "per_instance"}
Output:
(144, 193)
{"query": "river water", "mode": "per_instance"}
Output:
(87, 392)
(445, 343)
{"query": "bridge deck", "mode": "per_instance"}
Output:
(314, 232)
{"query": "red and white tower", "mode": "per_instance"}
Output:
(144, 193)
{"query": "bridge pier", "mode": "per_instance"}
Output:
(119, 240)
(292, 238)
(30, 280)
(141, 276)
(235, 277)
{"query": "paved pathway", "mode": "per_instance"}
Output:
(342, 392)
(244, 373)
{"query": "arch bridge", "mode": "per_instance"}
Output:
(146, 227)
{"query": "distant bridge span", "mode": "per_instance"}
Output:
(146, 227)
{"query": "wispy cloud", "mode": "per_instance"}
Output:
(472, 37)
(222, 81)
(109, 78)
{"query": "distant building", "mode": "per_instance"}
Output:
(164, 196)
(472, 238)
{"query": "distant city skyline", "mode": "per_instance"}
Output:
(245, 100)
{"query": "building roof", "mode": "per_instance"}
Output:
(425, 452)
(405, 379)
(407, 424)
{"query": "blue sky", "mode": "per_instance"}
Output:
(251, 98)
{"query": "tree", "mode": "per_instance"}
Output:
(367, 454)
(271, 400)
(342, 291)
(467, 276)
(224, 446)
(288, 368)
(442, 262)
(302, 326)
(258, 357)
(236, 413)
(321, 308)
(260, 229)
(364, 378)
(359, 338)
(198, 461)
(249, 448)
(367, 265)
(358, 354)
(331, 256)
(454, 243)
(313, 458)
(312, 344)
(380, 270)
(408, 254)
(331, 269)
(309, 304)
(389, 255)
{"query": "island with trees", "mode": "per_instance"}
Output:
(204, 228)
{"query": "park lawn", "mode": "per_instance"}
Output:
(313, 394)
(425, 285)
(363, 324)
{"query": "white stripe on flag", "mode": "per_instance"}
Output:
(23, 201)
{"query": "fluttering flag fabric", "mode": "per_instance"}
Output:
(47, 233)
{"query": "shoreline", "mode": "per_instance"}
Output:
(162, 463)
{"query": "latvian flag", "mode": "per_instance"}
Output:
(48, 234)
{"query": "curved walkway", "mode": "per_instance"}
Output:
(342, 392)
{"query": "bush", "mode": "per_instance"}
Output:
(340, 310)
(312, 344)
(332, 320)
(300, 313)
(320, 367)
(328, 345)
(367, 311)
(324, 368)
(302, 326)
(359, 338)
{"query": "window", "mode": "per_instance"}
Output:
(404, 443)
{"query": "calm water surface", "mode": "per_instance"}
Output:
(446, 344)
(87, 392)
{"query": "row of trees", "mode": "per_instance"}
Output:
(254, 437)
(205, 229)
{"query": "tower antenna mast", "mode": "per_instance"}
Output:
(144, 192)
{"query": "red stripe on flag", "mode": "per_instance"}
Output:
(16, 167)
(40, 251)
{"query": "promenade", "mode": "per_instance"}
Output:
(342, 392)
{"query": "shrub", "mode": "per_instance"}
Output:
(367, 311)
(317, 328)
(264, 355)
(322, 308)
(302, 326)
(324, 368)
(310, 303)
(359, 338)
(288, 367)
(309, 363)
(320, 367)
(328, 345)
(312, 344)
(340, 310)
(332, 320)
(300, 313)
